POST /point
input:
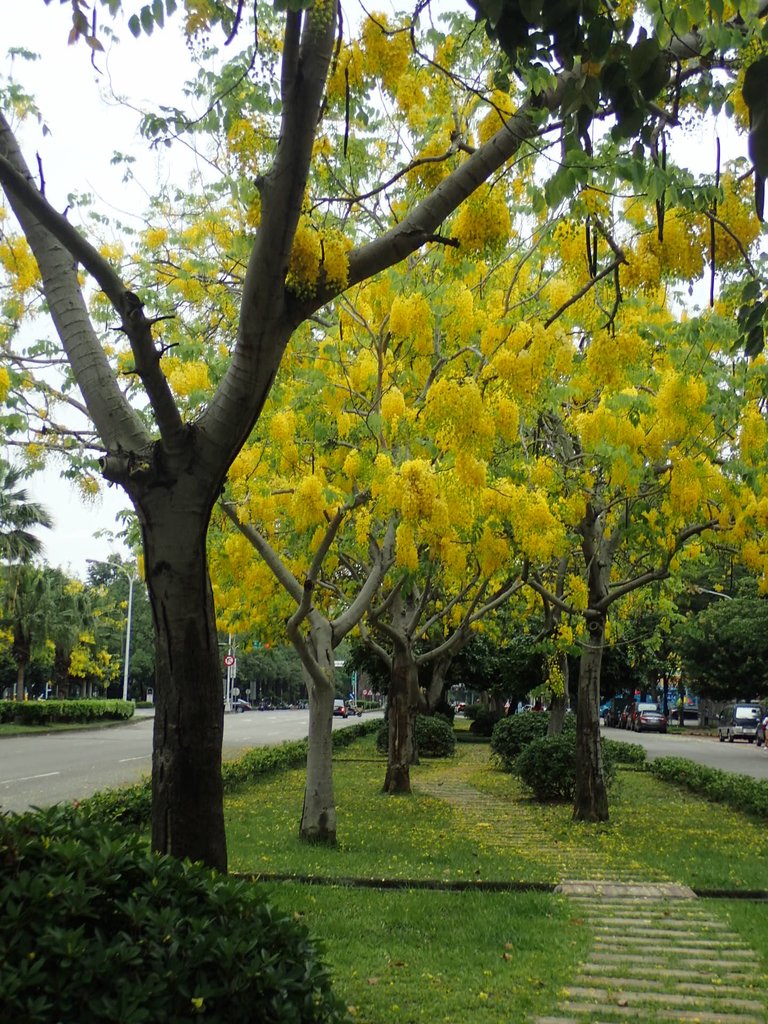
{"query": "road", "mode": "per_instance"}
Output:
(741, 758)
(36, 771)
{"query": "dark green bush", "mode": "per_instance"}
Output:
(625, 753)
(434, 737)
(94, 928)
(484, 721)
(46, 712)
(548, 766)
(741, 792)
(512, 734)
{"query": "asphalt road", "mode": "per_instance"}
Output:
(36, 771)
(741, 758)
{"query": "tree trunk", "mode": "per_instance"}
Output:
(22, 652)
(62, 659)
(318, 816)
(558, 704)
(591, 798)
(403, 705)
(187, 792)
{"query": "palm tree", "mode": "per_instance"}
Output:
(18, 517)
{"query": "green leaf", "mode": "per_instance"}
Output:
(599, 38)
(642, 56)
(158, 13)
(755, 342)
(134, 25)
(147, 20)
(170, 6)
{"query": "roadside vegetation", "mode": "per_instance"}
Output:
(469, 847)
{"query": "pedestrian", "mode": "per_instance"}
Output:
(764, 727)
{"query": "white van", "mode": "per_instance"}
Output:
(739, 722)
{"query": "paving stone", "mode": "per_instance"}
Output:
(698, 1016)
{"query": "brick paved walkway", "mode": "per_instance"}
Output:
(659, 956)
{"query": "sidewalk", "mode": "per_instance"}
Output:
(659, 955)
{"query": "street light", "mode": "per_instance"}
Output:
(131, 580)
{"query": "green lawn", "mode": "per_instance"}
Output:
(414, 955)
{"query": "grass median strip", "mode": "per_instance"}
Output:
(421, 907)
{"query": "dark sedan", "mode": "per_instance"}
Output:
(648, 718)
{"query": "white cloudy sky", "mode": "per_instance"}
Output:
(85, 129)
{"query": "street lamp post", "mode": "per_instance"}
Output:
(131, 580)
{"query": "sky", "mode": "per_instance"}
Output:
(86, 127)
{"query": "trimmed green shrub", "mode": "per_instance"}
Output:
(434, 737)
(46, 712)
(484, 720)
(548, 766)
(512, 734)
(741, 792)
(625, 753)
(95, 928)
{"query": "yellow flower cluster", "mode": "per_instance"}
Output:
(538, 532)
(5, 383)
(406, 554)
(753, 435)
(347, 67)
(737, 212)
(155, 237)
(17, 259)
(483, 223)
(411, 318)
(432, 172)
(386, 51)
(316, 253)
(393, 406)
(363, 373)
(185, 378)
(686, 486)
(470, 471)
(282, 426)
(507, 418)
(679, 404)
(456, 411)
(502, 108)
(414, 490)
(570, 240)
(492, 552)
(308, 505)
(611, 353)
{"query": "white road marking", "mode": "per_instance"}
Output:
(125, 760)
(28, 778)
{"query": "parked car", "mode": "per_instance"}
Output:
(241, 705)
(625, 716)
(354, 709)
(648, 717)
(340, 709)
(739, 722)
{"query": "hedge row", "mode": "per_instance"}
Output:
(44, 712)
(132, 805)
(740, 792)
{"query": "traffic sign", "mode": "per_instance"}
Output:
(229, 659)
